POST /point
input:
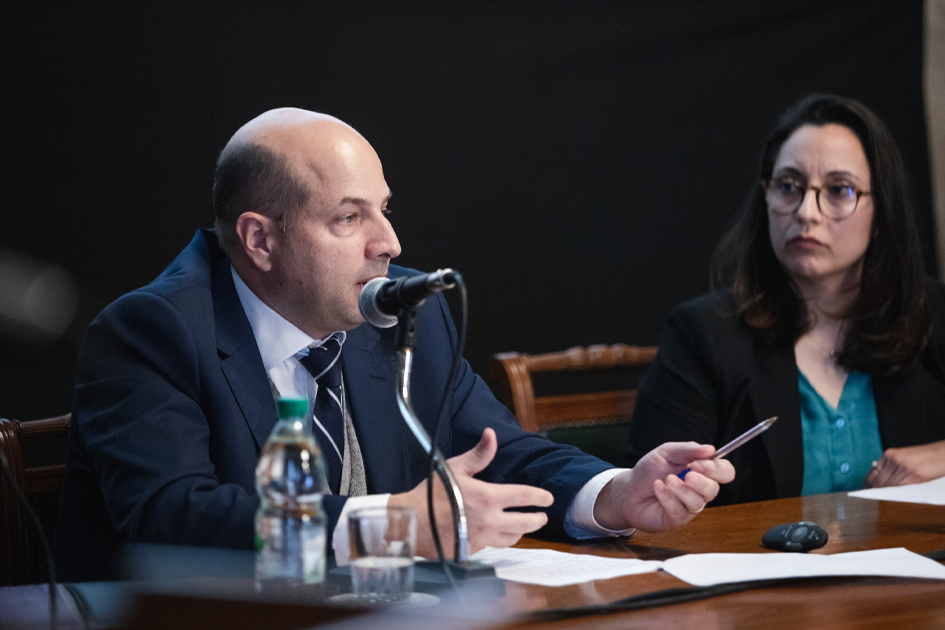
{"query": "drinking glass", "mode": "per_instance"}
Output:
(382, 541)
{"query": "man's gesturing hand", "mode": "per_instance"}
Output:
(652, 498)
(489, 524)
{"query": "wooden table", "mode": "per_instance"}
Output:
(858, 602)
(836, 603)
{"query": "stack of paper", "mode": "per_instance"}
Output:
(931, 492)
(555, 568)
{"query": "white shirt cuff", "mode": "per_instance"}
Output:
(339, 538)
(579, 522)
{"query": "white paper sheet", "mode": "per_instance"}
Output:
(932, 492)
(707, 569)
(555, 568)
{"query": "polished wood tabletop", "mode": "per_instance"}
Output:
(835, 602)
(852, 524)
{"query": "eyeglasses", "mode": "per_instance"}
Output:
(786, 194)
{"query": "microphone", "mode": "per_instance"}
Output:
(382, 298)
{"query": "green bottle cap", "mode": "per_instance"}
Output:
(292, 407)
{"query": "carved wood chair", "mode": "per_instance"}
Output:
(597, 422)
(36, 451)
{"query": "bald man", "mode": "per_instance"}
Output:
(176, 381)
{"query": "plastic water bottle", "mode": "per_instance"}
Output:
(290, 523)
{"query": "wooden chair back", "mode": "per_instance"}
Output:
(36, 451)
(510, 375)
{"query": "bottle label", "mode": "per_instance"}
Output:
(313, 552)
(291, 550)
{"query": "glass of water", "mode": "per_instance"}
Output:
(382, 541)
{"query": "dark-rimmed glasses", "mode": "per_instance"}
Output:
(784, 196)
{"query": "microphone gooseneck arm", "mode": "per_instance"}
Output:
(380, 299)
(461, 538)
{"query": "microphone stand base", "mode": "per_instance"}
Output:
(461, 570)
(471, 576)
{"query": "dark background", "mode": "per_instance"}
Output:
(576, 163)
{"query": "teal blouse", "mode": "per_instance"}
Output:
(840, 444)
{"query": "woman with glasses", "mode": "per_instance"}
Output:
(822, 317)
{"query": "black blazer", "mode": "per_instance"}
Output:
(173, 407)
(713, 379)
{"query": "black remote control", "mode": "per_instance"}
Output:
(802, 536)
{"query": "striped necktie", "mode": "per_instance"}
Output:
(324, 363)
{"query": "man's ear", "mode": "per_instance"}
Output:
(259, 237)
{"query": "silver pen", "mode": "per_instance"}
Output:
(756, 430)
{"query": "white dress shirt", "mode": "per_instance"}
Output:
(279, 340)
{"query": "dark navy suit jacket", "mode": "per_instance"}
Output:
(173, 406)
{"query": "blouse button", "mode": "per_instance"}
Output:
(845, 467)
(841, 423)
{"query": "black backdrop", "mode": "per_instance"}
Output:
(576, 161)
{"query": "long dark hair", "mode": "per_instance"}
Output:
(888, 323)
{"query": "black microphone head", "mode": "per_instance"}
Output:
(367, 304)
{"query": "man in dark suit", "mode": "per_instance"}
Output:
(176, 381)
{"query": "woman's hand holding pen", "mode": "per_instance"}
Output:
(910, 464)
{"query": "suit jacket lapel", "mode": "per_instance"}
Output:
(774, 392)
(239, 356)
(370, 376)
